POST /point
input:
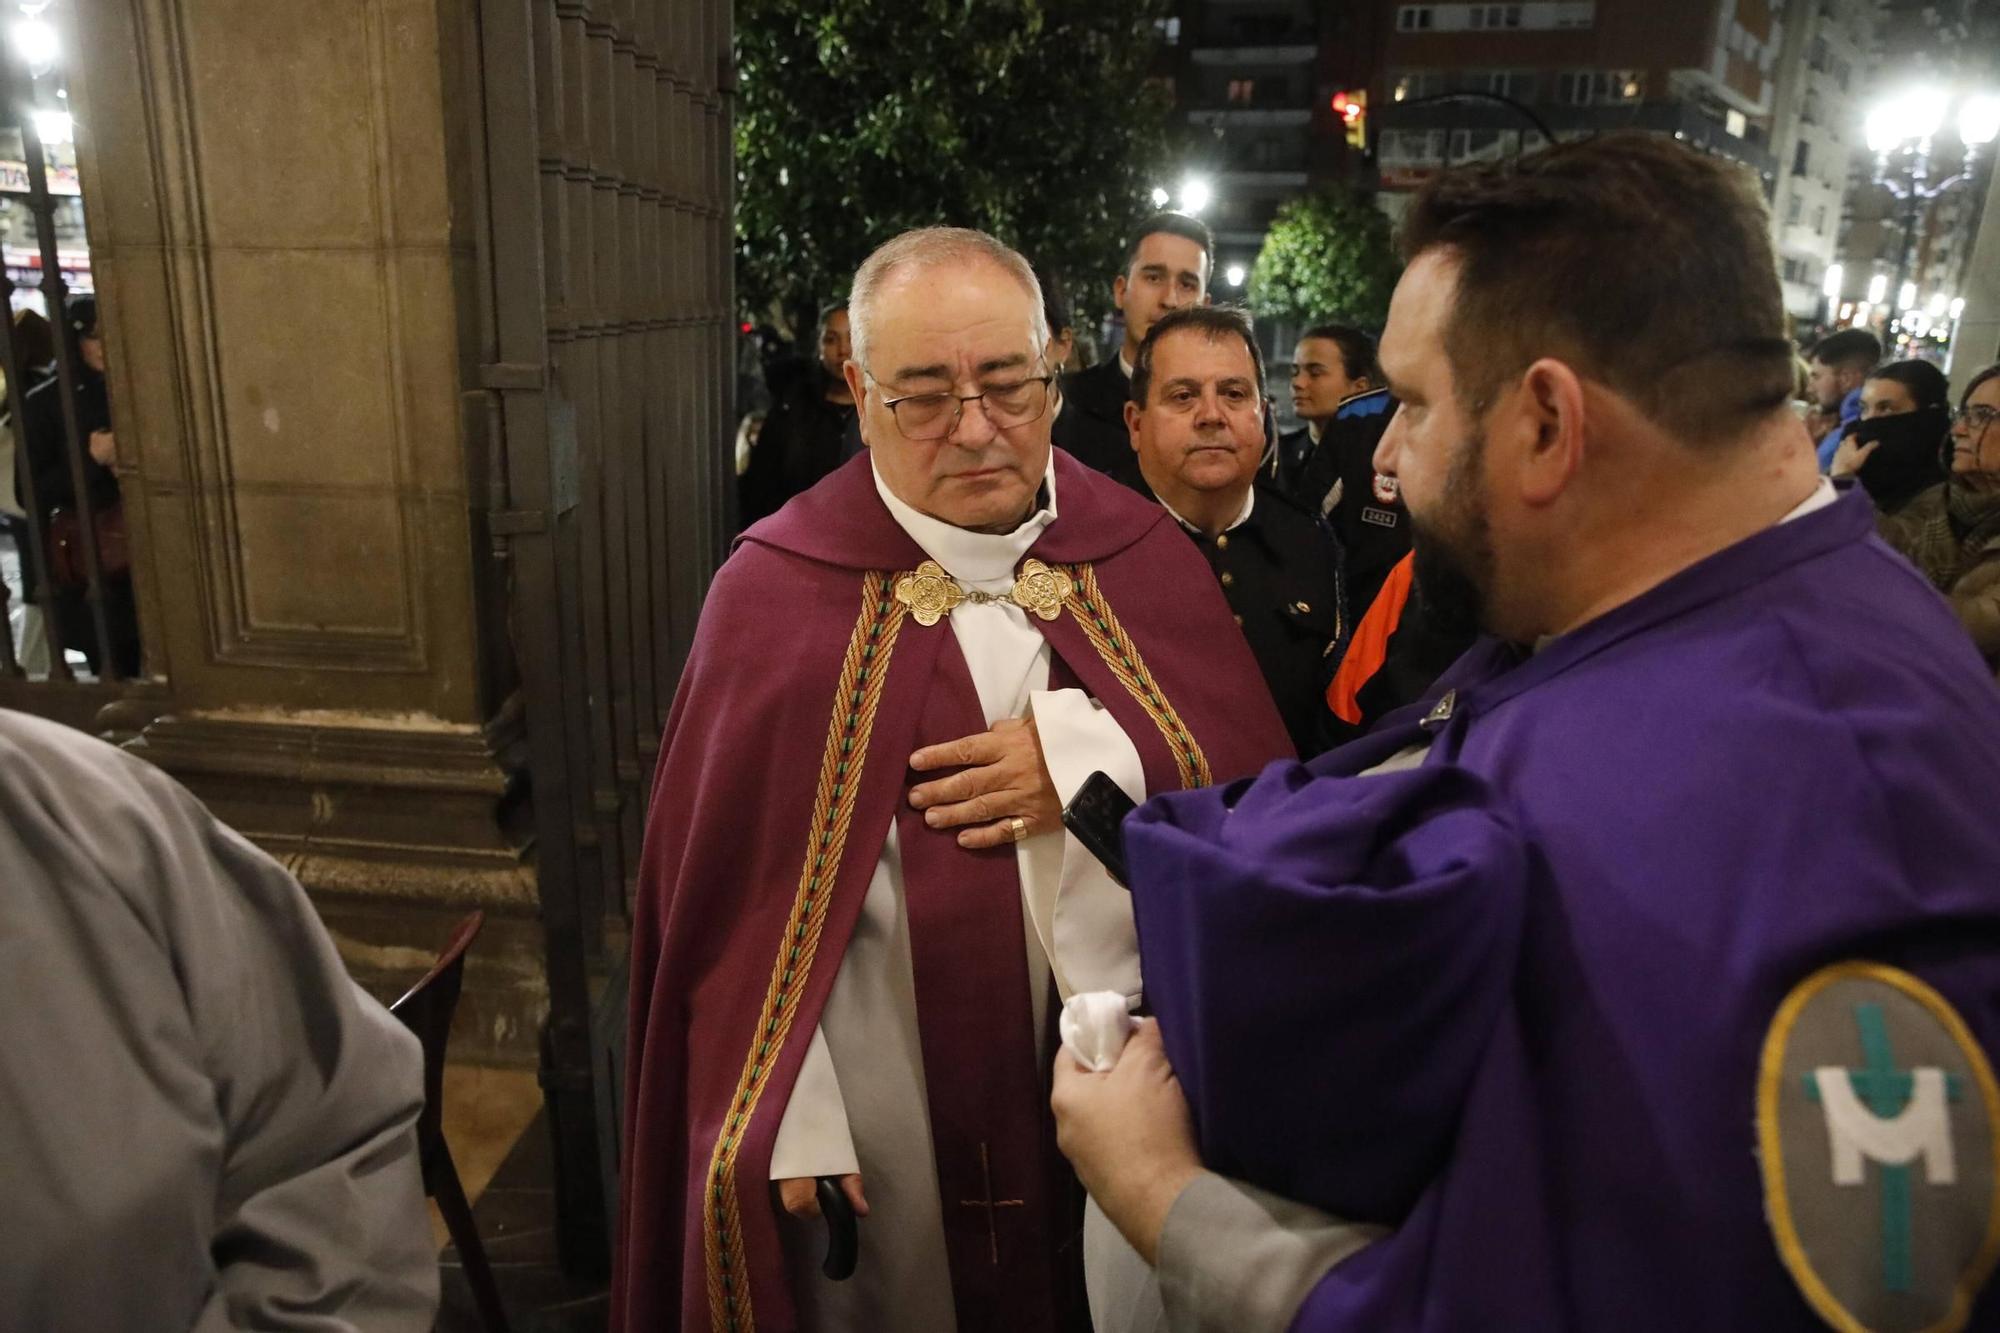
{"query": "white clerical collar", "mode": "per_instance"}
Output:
(982, 560)
(1242, 515)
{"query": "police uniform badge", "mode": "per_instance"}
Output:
(1387, 488)
(1877, 1116)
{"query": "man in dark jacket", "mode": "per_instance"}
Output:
(1167, 266)
(1197, 427)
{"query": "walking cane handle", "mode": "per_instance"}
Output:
(843, 1233)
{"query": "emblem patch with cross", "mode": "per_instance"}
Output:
(1877, 1115)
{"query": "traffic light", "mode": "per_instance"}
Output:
(1352, 109)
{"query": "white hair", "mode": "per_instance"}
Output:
(935, 247)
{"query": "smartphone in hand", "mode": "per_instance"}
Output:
(1096, 815)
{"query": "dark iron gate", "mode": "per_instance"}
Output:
(604, 266)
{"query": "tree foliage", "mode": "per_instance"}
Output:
(856, 119)
(1328, 256)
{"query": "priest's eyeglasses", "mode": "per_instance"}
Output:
(933, 416)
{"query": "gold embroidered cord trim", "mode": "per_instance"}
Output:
(855, 703)
(1108, 637)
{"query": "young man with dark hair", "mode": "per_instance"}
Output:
(1167, 266)
(1197, 422)
(1331, 364)
(1623, 981)
(1840, 365)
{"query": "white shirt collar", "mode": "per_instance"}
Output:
(1823, 495)
(982, 560)
(1123, 364)
(1242, 516)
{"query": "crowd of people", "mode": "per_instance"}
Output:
(40, 466)
(1300, 531)
(1932, 472)
(1321, 580)
(1562, 891)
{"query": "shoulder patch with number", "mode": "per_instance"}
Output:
(1878, 1131)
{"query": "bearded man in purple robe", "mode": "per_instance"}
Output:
(1645, 974)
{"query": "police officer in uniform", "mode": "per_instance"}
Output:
(1338, 481)
(1198, 433)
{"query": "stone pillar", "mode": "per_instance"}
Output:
(276, 235)
(1976, 344)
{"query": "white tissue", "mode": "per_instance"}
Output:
(1095, 1026)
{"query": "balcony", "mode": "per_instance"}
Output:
(1298, 53)
(1250, 180)
(1239, 116)
(1683, 120)
(1225, 32)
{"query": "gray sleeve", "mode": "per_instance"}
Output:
(205, 1123)
(1235, 1259)
(321, 1223)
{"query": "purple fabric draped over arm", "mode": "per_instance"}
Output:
(1327, 957)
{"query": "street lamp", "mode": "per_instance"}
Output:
(1160, 196)
(1908, 121)
(1233, 275)
(1979, 120)
(36, 41)
(1196, 194)
(54, 127)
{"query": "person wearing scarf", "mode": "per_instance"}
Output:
(1952, 531)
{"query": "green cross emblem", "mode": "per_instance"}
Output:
(1886, 1091)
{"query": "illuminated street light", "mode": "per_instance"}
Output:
(54, 127)
(1878, 288)
(1196, 194)
(36, 42)
(1233, 275)
(1160, 196)
(1979, 119)
(1900, 127)
(1911, 116)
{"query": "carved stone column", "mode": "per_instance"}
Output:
(276, 235)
